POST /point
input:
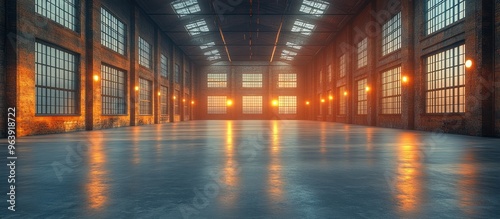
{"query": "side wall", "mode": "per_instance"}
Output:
(86, 44)
(3, 101)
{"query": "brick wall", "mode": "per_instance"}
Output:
(3, 111)
(234, 91)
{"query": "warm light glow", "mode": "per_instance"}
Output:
(468, 63)
(367, 89)
(192, 102)
(183, 100)
(330, 97)
(96, 77)
(159, 93)
(323, 100)
(175, 97)
(275, 103)
(308, 103)
(229, 102)
(405, 79)
(345, 93)
(136, 88)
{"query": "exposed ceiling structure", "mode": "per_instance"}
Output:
(211, 31)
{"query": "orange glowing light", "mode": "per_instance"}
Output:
(275, 103)
(183, 100)
(367, 88)
(330, 97)
(174, 97)
(192, 102)
(159, 93)
(229, 102)
(96, 77)
(308, 103)
(405, 79)
(323, 100)
(345, 93)
(468, 63)
(136, 88)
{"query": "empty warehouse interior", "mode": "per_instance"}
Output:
(251, 108)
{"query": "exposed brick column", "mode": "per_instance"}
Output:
(407, 65)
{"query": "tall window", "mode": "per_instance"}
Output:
(252, 80)
(330, 76)
(445, 75)
(114, 86)
(186, 106)
(287, 80)
(177, 73)
(441, 13)
(65, 13)
(56, 82)
(216, 104)
(216, 80)
(342, 66)
(113, 34)
(146, 97)
(287, 105)
(342, 100)
(187, 78)
(391, 91)
(391, 35)
(145, 54)
(330, 104)
(362, 97)
(252, 104)
(164, 66)
(363, 53)
(164, 100)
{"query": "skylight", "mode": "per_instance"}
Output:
(207, 45)
(303, 27)
(314, 7)
(288, 55)
(186, 7)
(212, 52)
(197, 27)
(213, 58)
(293, 45)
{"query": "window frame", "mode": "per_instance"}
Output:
(125, 87)
(148, 94)
(125, 34)
(398, 95)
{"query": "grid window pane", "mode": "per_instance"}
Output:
(363, 53)
(144, 53)
(362, 97)
(342, 101)
(113, 33)
(391, 35)
(146, 97)
(330, 75)
(216, 104)
(64, 12)
(177, 73)
(186, 7)
(441, 13)
(217, 80)
(287, 80)
(164, 100)
(252, 105)
(330, 104)
(287, 105)
(342, 66)
(391, 91)
(445, 76)
(164, 66)
(113, 91)
(56, 81)
(252, 80)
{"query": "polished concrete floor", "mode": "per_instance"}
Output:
(255, 169)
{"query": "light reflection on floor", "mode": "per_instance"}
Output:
(299, 169)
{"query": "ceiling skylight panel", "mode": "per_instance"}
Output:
(288, 53)
(314, 7)
(207, 45)
(186, 7)
(197, 27)
(213, 58)
(212, 52)
(293, 45)
(303, 27)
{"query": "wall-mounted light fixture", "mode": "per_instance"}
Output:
(367, 89)
(136, 88)
(406, 79)
(229, 102)
(96, 78)
(468, 63)
(275, 103)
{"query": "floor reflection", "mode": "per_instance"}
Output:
(230, 169)
(275, 178)
(96, 188)
(408, 182)
(467, 184)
